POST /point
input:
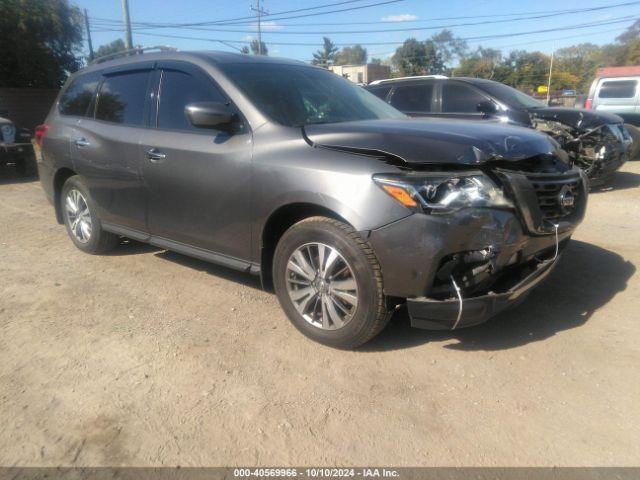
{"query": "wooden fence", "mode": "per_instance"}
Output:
(26, 107)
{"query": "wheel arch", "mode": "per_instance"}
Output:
(60, 177)
(279, 222)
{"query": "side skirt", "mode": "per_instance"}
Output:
(191, 251)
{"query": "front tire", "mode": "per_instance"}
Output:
(329, 283)
(80, 220)
(635, 135)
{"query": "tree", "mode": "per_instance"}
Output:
(356, 55)
(245, 50)
(110, 48)
(630, 33)
(480, 64)
(524, 70)
(258, 48)
(40, 42)
(417, 58)
(326, 56)
(449, 46)
(581, 61)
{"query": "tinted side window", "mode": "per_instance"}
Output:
(413, 98)
(459, 98)
(177, 90)
(121, 98)
(380, 92)
(618, 89)
(77, 98)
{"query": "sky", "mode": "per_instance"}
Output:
(494, 20)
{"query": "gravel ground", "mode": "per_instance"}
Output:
(149, 358)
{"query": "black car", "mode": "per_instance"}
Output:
(288, 171)
(597, 142)
(16, 148)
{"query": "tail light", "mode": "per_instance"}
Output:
(588, 104)
(41, 130)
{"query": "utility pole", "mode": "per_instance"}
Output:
(128, 42)
(86, 24)
(259, 12)
(550, 73)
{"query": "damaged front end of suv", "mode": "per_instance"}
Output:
(493, 207)
(598, 143)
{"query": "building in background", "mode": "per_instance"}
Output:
(362, 73)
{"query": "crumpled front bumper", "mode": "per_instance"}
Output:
(614, 154)
(450, 314)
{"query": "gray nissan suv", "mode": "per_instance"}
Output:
(344, 205)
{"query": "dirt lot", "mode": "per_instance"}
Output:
(146, 357)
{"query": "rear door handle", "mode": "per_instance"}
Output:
(82, 142)
(156, 155)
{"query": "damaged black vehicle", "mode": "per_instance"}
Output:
(346, 206)
(597, 142)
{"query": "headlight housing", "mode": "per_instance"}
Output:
(443, 192)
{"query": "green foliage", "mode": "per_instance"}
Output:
(574, 67)
(356, 55)
(258, 48)
(417, 58)
(40, 41)
(110, 48)
(449, 46)
(326, 56)
(482, 63)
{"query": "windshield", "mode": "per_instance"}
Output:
(510, 96)
(295, 95)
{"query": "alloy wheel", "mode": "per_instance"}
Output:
(78, 216)
(322, 286)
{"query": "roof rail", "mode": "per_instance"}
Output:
(132, 51)
(415, 77)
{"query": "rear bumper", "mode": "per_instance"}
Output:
(450, 314)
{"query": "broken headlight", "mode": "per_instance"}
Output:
(443, 192)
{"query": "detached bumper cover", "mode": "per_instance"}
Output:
(435, 314)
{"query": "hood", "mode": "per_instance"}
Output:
(577, 118)
(433, 141)
(5, 121)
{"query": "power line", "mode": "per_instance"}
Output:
(270, 17)
(436, 27)
(498, 47)
(617, 20)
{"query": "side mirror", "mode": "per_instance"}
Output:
(214, 115)
(487, 107)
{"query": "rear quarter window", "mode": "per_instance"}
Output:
(618, 89)
(122, 98)
(77, 97)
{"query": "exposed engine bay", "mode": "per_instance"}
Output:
(598, 150)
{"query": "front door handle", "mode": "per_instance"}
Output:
(156, 155)
(82, 142)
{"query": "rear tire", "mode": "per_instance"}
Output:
(80, 220)
(337, 297)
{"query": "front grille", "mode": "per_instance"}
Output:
(551, 190)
